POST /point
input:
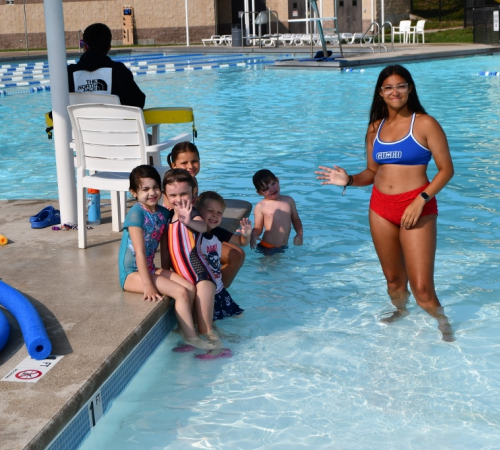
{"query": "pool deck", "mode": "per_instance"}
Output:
(88, 318)
(401, 54)
(354, 55)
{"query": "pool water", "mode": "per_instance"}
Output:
(313, 366)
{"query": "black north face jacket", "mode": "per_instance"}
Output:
(118, 76)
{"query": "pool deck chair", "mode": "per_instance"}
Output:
(418, 29)
(155, 117)
(351, 38)
(214, 39)
(110, 141)
(77, 98)
(402, 31)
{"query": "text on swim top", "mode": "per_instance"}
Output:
(407, 151)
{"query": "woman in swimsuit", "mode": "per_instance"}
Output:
(400, 140)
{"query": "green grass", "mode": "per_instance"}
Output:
(462, 35)
(436, 25)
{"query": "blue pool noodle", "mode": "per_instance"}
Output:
(4, 330)
(35, 336)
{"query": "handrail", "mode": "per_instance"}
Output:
(392, 35)
(374, 35)
(319, 19)
(260, 27)
(378, 35)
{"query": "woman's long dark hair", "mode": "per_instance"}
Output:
(379, 109)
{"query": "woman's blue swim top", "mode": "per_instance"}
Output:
(406, 151)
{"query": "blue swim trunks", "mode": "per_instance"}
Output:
(268, 250)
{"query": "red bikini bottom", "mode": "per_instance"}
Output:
(392, 207)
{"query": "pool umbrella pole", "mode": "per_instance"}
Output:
(56, 49)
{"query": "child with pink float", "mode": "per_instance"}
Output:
(144, 229)
(186, 232)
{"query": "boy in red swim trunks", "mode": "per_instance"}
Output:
(276, 214)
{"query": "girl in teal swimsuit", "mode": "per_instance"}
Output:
(144, 229)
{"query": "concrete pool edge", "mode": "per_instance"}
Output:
(89, 319)
(405, 54)
(53, 432)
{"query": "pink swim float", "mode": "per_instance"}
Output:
(184, 348)
(224, 353)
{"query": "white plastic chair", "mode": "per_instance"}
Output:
(297, 40)
(351, 38)
(78, 98)
(418, 29)
(307, 38)
(332, 39)
(110, 141)
(286, 39)
(226, 39)
(403, 30)
(215, 40)
(270, 40)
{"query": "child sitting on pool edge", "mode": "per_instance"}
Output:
(275, 214)
(187, 260)
(185, 155)
(144, 229)
(211, 207)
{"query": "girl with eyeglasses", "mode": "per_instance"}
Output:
(400, 141)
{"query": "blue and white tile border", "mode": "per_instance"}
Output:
(80, 426)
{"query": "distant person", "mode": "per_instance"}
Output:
(400, 141)
(97, 72)
(276, 214)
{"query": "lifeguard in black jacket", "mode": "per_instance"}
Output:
(97, 72)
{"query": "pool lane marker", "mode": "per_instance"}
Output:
(149, 72)
(194, 60)
(126, 60)
(488, 74)
(191, 63)
(29, 91)
(31, 370)
(148, 69)
(24, 83)
(144, 65)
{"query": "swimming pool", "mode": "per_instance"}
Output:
(312, 365)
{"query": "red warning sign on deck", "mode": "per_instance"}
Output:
(25, 371)
(28, 374)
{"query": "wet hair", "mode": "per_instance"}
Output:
(379, 108)
(141, 172)
(181, 147)
(206, 196)
(262, 179)
(97, 37)
(179, 176)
